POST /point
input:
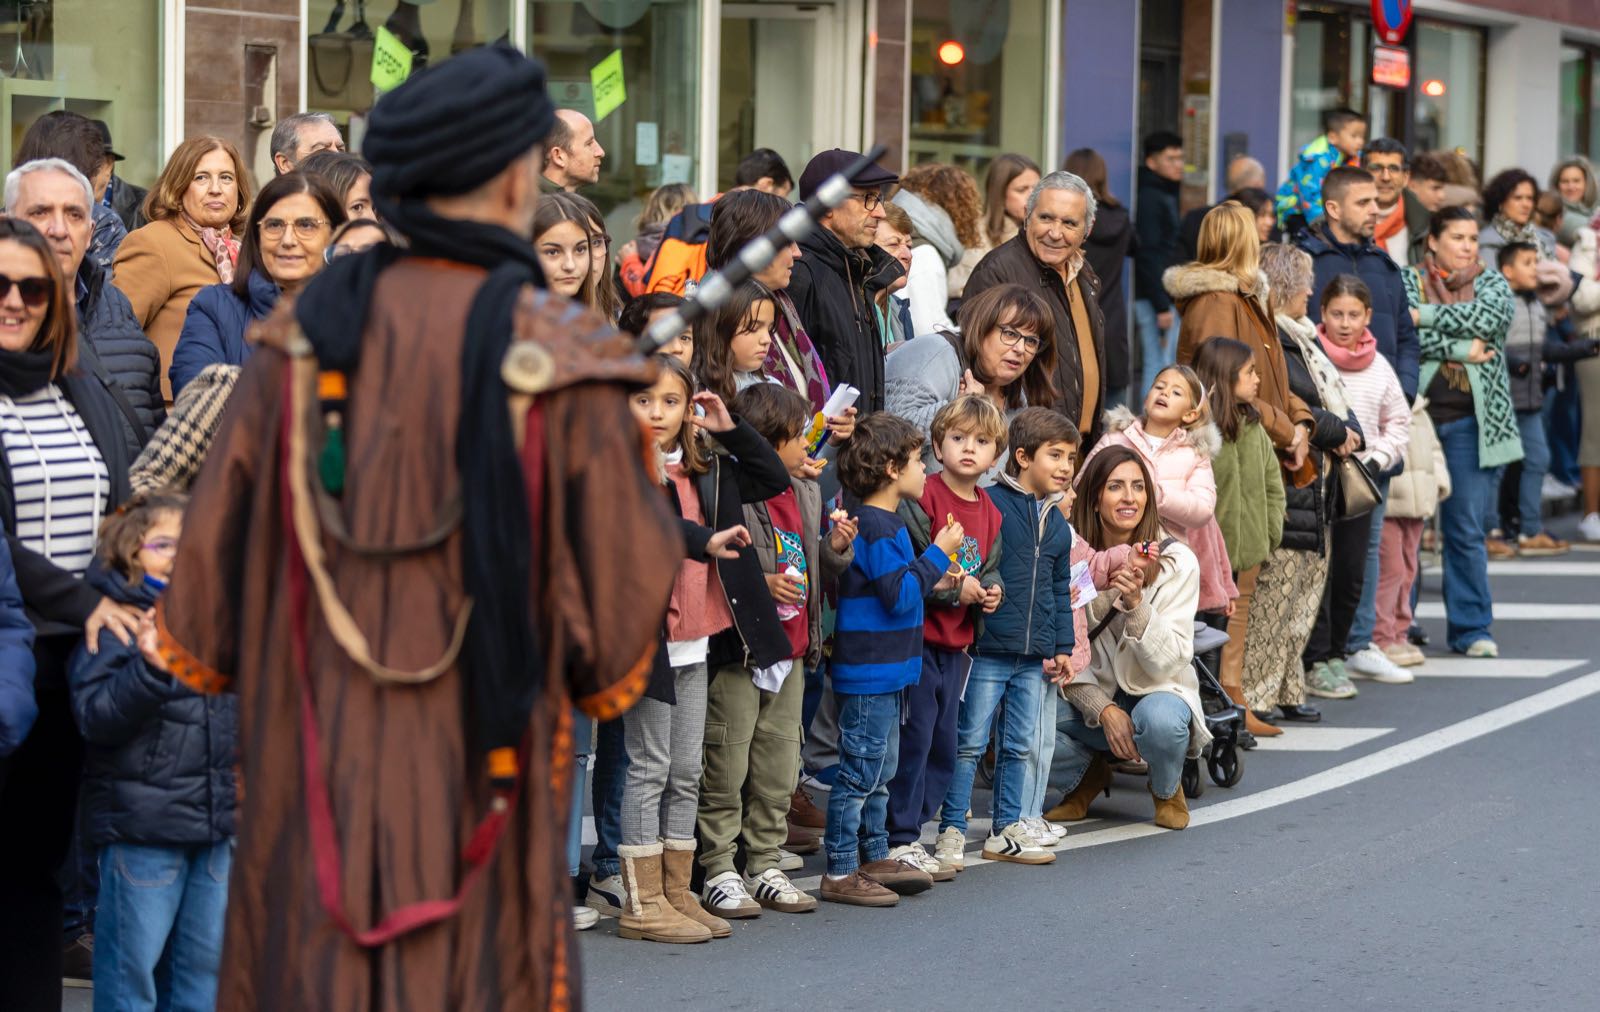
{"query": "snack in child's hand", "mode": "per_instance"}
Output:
(838, 516)
(949, 518)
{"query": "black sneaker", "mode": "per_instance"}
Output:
(1417, 635)
(77, 962)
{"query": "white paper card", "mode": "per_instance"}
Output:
(676, 168)
(646, 144)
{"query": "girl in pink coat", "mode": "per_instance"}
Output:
(1177, 440)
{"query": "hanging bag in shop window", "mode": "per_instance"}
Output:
(340, 61)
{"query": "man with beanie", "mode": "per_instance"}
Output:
(414, 551)
(839, 274)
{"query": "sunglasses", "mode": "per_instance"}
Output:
(35, 291)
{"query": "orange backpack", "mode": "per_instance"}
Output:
(681, 257)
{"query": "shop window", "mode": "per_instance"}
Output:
(976, 68)
(652, 137)
(1333, 69)
(57, 56)
(1579, 128)
(1449, 81)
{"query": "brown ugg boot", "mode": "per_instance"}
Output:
(646, 913)
(677, 862)
(1173, 812)
(1075, 806)
(1255, 725)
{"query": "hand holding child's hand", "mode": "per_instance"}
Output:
(716, 418)
(725, 544)
(951, 537)
(842, 427)
(971, 591)
(1059, 668)
(785, 589)
(991, 599)
(843, 534)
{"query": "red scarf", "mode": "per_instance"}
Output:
(1352, 359)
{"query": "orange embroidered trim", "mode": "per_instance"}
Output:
(611, 703)
(181, 664)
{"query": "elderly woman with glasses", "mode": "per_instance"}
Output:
(1005, 350)
(287, 231)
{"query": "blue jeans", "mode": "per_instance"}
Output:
(1040, 755)
(858, 805)
(610, 774)
(1160, 733)
(583, 749)
(1563, 421)
(1367, 611)
(1535, 465)
(1009, 684)
(1469, 608)
(1157, 348)
(158, 927)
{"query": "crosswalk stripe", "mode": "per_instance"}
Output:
(1499, 667)
(1535, 567)
(1320, 739)
(1520, 611)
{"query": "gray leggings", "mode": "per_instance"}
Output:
(665, 747)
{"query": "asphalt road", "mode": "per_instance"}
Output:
(1431, 846)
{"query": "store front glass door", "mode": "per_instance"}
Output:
(781, 73)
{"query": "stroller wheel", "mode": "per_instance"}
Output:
(1193, 786)
(1226, 766)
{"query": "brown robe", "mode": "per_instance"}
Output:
(405, 791)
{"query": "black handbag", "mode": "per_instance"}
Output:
(1358, 493)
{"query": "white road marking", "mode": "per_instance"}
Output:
(1492, 667)
(1535, 567)
(1523, 611)
(1297, 738)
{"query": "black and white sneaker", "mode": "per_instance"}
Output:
(606, 895)
(1017, 845)
(725, 896)
(773, 890)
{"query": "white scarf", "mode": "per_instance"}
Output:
(1328, 382)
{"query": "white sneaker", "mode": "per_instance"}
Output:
(789, 862)
(951, 850)
(814, 785)
(1017, 845)
(1555, 488)
(584, 918)
(1040, 831)
(1589, 527)
(726, 896)
(606, 895)
(1369, 662)
(1483, 648)
(774, 891)
(913, 856)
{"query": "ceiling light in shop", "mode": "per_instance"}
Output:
(951, 52)
(1433, 88)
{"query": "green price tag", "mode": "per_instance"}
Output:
(391, 61)
(609, 91)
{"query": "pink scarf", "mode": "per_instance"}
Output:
(223, 246)
(1353, 359)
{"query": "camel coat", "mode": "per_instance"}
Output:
(159, 268)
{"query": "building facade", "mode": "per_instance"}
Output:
(702, 81)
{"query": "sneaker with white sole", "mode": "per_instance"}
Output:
(606, 895)
(913, 856)
(1042, 832)
(1589, 527)
(1483, 648)
(1323, 682)
(1555, 488)
(1370, 662)
(789, 862)
(773, 890)
(726, 896)
(1405, 655)
(951, 849)
(584, 917)
(1017, 845)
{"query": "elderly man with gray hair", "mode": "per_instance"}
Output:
(302, 135)
(1046, 256)
(55, 198)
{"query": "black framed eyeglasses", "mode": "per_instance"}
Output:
(1011, 336)
(869, 199)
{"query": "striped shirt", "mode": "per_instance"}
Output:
(877, 640)
(59, 481)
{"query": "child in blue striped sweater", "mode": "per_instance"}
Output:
(877, 653)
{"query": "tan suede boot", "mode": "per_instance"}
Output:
(677, 862)
(1173, 812)
(1255, 725)
(646, 914)
(1075, 806)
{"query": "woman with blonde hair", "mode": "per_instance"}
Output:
(1224, 294)
(197, 210)
(633, 259)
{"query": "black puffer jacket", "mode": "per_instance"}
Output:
(833, 289)
(1110, 243)
(160, 762)
(106, 322)
(1306, 518)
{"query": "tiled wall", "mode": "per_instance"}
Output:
(216, 34)
(889, 84)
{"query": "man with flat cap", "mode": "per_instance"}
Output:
(839, 274)
(413, 549)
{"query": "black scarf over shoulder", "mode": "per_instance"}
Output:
(446, 131)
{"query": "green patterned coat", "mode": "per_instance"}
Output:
(1446, 332)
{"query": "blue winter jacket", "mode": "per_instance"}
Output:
(159, 768)
(1035, 616)
(1391, 313)
(18, 709)
(213, 332)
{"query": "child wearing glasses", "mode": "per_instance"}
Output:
(158, 787)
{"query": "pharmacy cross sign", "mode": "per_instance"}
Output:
(1391, 19)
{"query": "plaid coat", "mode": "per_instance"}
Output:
(172, 458)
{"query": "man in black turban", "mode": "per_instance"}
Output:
(425, 533)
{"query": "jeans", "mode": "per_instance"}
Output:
(1535, 465)
(1156, 348)
(1009, 684)
(1469, 609)
(1563, 421)
(610, 774)
(858, 805)
(1160, 733)
(1367, 610)
(158, 928)
(1041, 755)
(928, 736)
(583, 750)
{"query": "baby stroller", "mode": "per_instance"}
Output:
(1224, 719)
